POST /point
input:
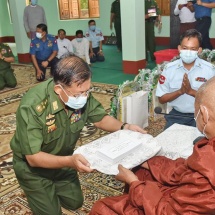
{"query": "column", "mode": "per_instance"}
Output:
(133, 39)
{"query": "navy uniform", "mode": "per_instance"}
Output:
(149, 28)
(115, 9)
(7, 78)
(43, 50)
(95, 37)
(43, 125)
(171, 80)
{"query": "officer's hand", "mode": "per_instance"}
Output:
(39, 74)
(199, 2)
(29, 35)
(79, 163)
(187, 85)
(182, 90)
(111, 26)
(91, 54)
(126, 175)
(45, 64)
(180, 6)
(100, 53)
(147, 16)
(133, 127)
(0, 55)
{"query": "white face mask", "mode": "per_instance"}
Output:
(75, 102)
(39, 35)
(203, 131)
(188, 56)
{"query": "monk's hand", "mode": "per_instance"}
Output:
(135, 128)
(126, 175)
(80, 163)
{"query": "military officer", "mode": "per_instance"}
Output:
(181, 79)
(7, 78)
(116, 19)
(152, 18)
(43, 50)
(49, 121)
(95, 37)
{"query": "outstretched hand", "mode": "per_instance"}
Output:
(135, 128)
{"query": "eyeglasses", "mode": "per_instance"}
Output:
(80, 94)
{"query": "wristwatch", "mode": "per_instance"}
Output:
(123, 125)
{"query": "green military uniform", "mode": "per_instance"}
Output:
(149, 28)
(115, 8)
(7, 78)
(43, 125)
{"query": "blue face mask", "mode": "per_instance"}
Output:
(79, 39)
(92, 27)
(33, 2)
(75, 102)
(188, 56)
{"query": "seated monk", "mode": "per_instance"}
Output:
(162, 186)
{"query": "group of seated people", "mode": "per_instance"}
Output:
(46, 51)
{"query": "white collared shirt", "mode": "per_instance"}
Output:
(185, 15)
(81, 49)
(64, 47)
(94, 36)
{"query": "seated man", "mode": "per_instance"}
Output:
(64, 45)
(43, 50)
(81, 46)
(95, 37)
(164, 186)
(181, 79)
(7, 78)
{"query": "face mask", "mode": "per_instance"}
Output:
(188, 56)
(92, 27)
(33, 2)
(75, 102)
(39, 35)
(79, 39)
(203, 131)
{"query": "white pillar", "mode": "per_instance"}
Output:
(133, 31)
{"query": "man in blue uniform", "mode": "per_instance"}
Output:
(203, 9)
(43, 50)
(181, 79)
(95, 37)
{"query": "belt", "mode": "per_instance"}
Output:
(202, 18)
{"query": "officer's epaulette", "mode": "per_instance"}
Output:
(206, 63)
(5, 44)
(170, 64)
(41, 106)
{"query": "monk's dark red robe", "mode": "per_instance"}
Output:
(171, 187)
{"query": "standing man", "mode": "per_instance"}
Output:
(33, 15)
(43, 50)
(203, 11)
(7, 78)
(152, 18)
(49, 121)
(64, 45)
(186, 14)
(181, 79)
(81, 46)
(95, 37)
(115, 18)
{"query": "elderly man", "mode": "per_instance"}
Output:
(7, 78)
(181, 79)
(43, 50)
(163, 186)
(49, 121)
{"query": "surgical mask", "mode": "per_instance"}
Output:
(203, 131)
(188, 56)
(92, 27)
(39, 35)
(75, 102)
(33, 2)
(79, 39)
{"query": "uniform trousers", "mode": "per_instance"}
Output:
(7, 78)
(96, 56)
(117, 26)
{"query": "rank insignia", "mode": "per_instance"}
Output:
(55, 105)
(50, 44)
(201, 79)
(52, 128)
(38, 45)
(76, 116)
(39, 108)
(50, 122)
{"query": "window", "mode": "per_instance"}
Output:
(164, 6)
(78, 9)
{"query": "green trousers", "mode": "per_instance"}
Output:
(49, 189)
(7, 78)
(150, 40)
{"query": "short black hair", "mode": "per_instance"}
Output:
(61, 30)
(78, 32)
(192, 33)
(92, 20)
(43, 27)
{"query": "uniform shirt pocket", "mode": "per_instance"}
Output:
(175, 85)
(197, 84)
(77, 126)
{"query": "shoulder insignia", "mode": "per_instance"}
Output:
(55, 105)
(41, 106)
(5, 44)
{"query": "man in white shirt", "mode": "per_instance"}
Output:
(186, 13)
(64, 45)
(81, 46)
